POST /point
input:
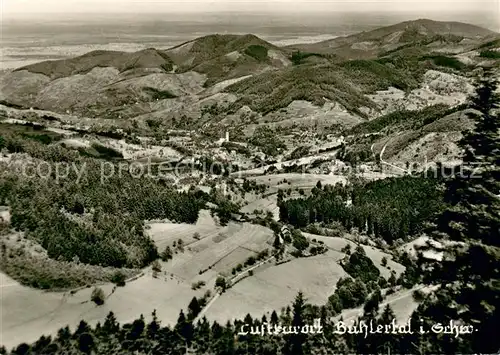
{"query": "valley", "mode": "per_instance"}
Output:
(264, 170)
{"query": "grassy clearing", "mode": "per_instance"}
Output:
(334, 243)
(275, 287)
(264, 204)
(207, 252)
(376, 255)
(27, 313)
(235, 258)
(165, 234)
(296, 180)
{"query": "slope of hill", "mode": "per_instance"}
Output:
(346, 84)
(219, 213)
(418, 138)
(373, 43)
(122, 61)
(187, 80)
(200, 50)
(121, 84)
(101, 92)
(227, 56)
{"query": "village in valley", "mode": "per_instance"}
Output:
(225, 176)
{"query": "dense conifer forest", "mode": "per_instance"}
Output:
(393, 208)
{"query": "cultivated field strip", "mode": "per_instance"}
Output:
(250, 236)
(231, 260)
(164, 234)
(299, 180)
(265, 204)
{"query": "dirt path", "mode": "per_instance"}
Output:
(385, 162)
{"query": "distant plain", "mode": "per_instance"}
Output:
(29, 40)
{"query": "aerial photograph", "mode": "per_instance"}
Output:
(267, 177)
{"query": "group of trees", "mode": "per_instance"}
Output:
(364, 280)
(98, 221)
(94, 220)
(252, 185)
(360, 266)
(469, 275)
(391, 209)
(225, 210)
(299, 242)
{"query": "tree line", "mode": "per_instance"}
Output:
(98, 222)
(391, 209)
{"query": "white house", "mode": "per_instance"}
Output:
(222, 140)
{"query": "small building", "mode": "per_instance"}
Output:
(223, 140)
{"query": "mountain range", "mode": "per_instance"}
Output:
(296, 167)
(242, 81)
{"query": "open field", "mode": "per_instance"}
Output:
(225, 249)
(265, 204)
(305, 161)
(333, 243)
(299, 180)
(276, 287)
(27, 313)
(376, 255)
(164, 234)
(308, 181)
(237, 256)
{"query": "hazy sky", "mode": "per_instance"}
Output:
(12, 8)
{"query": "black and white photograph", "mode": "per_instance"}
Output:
(267, 177)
